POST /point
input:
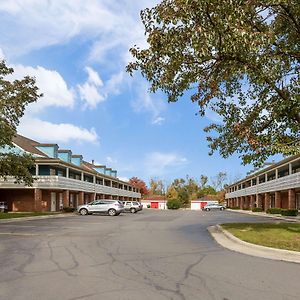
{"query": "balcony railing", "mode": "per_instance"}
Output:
(63, 183)
(280, 184)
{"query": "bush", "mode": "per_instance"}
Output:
(173, 204)
(273, 211)
(289, 212)
(257, 209)
(235, 207)
(148, 206)
(68, 209)
(246, 208)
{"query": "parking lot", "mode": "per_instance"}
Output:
(148, 255)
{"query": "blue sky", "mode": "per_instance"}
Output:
(78, 50)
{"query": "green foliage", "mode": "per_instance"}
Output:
(257, 209)
(235, 207)
(289, 212)
(14, 97)
(208, 190)
(173, 204)
(239, 59)
(273, 211)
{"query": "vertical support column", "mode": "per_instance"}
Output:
(82, 176)
(290, 169)
(37, 200)
(291, 199)
(67, 172)
(276, 173)
(267, 201)
(36, 170)
(278, 200)
(252, 201)
(66, 198)
(81, 198)
(242, 202)
(259, 200)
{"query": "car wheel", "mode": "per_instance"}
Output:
(222, 208)
(83, 212)
(112, 212)
(132, 210)
(207, 209)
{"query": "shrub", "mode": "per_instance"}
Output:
(257, 209)
(289, 212)
(273, 211)
(246, 208)
(173, 204)
(235, 207)
(148, 206)
(68, 209)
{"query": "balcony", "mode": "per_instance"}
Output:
(280, 184)
(63, 183)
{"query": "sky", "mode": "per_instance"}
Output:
(77, 51)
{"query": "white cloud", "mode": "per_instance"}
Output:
(63, 132)
(111, 160)
(126, 179)
(90, 95)
(145, 102)
(94, 77)
(158, 163)
(55, 90)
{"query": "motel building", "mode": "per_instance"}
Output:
(277, 186)
(62, 179)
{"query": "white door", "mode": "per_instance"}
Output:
(195, 206)
(53, 201)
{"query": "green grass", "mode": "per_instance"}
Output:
(24, 214)
(275, 235)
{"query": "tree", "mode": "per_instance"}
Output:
(14, 97)
(203, 181)
(157, 187)
(239, 59)
(140, 184)
(219, 180)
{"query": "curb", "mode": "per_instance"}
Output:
(229, 241)
(278, 217)
(36, 218)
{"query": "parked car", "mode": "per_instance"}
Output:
(132, 206)
(111, 207)
(213, 206)
(3, 207)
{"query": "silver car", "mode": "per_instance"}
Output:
(213, 206)
(111, 207)
(132, 206)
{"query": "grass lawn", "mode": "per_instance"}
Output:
(276, 235)
(25, 214)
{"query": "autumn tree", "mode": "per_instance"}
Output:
(219, 180)
(140, 184)
(157, 187)
(14, 97)
(237, 58)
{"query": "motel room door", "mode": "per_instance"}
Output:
(53, 201)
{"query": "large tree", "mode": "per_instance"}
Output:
(140, 184)
(238, 58)
(15, 95)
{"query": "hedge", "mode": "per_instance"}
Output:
(257, 209)
(235, 207)
(173, 204)
(289, 212)
(273, 211)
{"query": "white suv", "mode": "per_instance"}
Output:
(132, 206)
(111, 207)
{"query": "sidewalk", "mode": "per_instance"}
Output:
(229, 241)
(37, 218)
(263, 214)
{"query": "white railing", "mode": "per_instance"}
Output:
(63, 183)
(280, 184)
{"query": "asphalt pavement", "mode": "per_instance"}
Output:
(149, 255)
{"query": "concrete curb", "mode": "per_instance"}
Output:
(229, 241)
(262, 214)
(36, 218)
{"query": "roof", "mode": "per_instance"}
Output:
(27, 145)
(155, 197)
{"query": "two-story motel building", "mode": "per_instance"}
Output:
(276, 186)
(62, 179)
